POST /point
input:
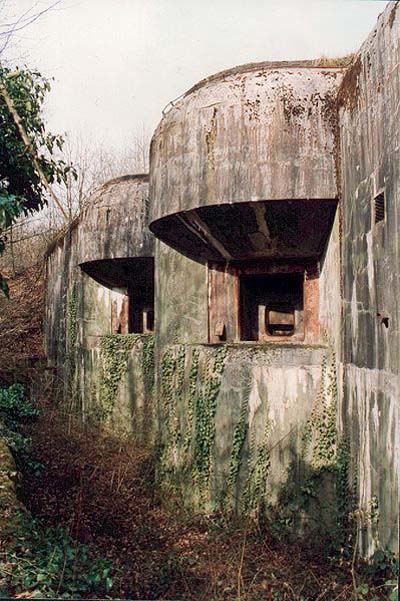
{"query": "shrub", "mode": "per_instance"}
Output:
(47, 562)
(15, 411)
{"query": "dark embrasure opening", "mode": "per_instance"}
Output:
(133, 277)
(271, 306)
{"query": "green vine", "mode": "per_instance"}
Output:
(320, 432)
(172, 380)
(72, 328)
(345, 496)
(148, 374)
(72, 315)
(114, 355)
(327, 452)
(179, 382)
(190, 385)
(239, 437)
(167, 374)
(204, 414)
(193, 377)
(148, 367)
(258, 468)
(197, 431)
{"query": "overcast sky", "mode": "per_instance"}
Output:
(117, 63)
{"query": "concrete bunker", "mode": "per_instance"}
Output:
(244, 196)
(274, 279)
(100, 296)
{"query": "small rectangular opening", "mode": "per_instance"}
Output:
(141, 301)
(141, 317)
(120, 312)
(282, 322)
(149, 320)
(379, 207)
(271, 306)
(132, 316)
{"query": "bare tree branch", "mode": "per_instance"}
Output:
(8, 30)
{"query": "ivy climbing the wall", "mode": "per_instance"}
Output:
(190, 386)
(320, 436)
(239, 437)
(205, 408)
(114, 355)
(345, 493)
(193, 376)
(71, 339)
(259, 462)
(72, 316)
(326, 452)
(172, 380)
(148, 363)
(72, 327)
(189, 440)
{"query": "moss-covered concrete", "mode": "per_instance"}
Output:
(181, 304)
(240, 427)
(105, 376)
(118, 384)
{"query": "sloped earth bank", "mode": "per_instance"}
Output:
(21, 318)
(102, 491)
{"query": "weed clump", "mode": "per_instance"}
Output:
(46, 562)
(39, 560)
(16, 411)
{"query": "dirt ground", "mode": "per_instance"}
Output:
(103, 491)
(21, 317)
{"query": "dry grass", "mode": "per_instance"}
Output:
(21, 317)
(102, 490)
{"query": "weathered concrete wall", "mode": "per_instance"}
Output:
(96, 316)
(249, 428)
(112, 226)
(60, 277)
(243, 136)
(223, 405)
(330, 302)
(116, 383)
(106, 376)
(259, 132)
(245, 165)
(370, 160)
(181, 299)
(114, 223)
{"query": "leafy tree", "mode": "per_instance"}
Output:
(27, 166)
